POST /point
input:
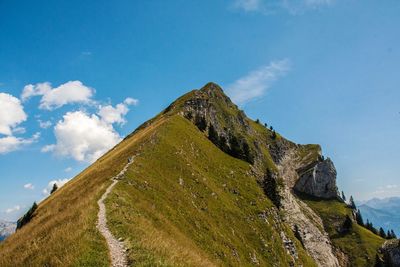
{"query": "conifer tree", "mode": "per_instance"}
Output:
(393, 234)
(359, 218)
(382, 233)
(343, 197)
(27, 216)
(54, 189)
(352, 204)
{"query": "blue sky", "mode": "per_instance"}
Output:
(319, 71)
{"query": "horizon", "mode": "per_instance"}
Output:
(332, 83)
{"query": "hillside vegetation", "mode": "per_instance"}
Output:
(204, 189)
(359, 244)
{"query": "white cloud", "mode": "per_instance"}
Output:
(272, 6)
(29, 186)
(59, 183)
(83, 137)
(11, 113)
(68, 169)
(45, 124)
(52, 98)
(12, 143)
(35, 90)
(13, 209)
(110, 114)
(256, 83)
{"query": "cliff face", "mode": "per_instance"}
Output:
(318, 180)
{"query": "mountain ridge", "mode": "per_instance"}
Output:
(209, 187)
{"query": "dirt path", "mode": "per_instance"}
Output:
(117, 248)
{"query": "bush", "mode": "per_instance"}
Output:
(271, 188)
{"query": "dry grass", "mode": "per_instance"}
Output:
(63, 231)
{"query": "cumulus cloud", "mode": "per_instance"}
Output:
(11, 113)
(12, 143)
(257, 82)
(60, 182)
(83, 137)
(110, 114)
(68, 169)
(13, 209)
(272, 6)
(52, 98)
(29, 186)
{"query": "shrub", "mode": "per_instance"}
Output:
(271, 188)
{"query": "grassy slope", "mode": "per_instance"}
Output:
(184, 202)
(63, 231)
(360, 244)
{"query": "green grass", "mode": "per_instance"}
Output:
(186, 203)
(360, 244)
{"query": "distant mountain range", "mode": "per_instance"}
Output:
(6, 229)
(383, 213)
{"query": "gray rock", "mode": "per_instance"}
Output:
(318, 180)
(391, 252)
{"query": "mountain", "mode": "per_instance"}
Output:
(6, 229)
(383, 213)
(200, 184)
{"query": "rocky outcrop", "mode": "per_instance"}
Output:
(318, 180)
(300, 217)
(391, 252)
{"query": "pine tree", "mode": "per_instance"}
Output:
(265, 125)
(343, 197)
(382, 233)
(388, 235)
(271, 188)
(297, 234)
(352, 204)
(258, 121)
(213, 135)
(393, 234)
(273, 135)
(54, 189)
(359, 218)
(27, 216)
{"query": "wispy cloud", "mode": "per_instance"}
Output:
(12, 143)
(29, 186)
(13, 209)
(390, 190)
(256, 83)
(273, 6)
